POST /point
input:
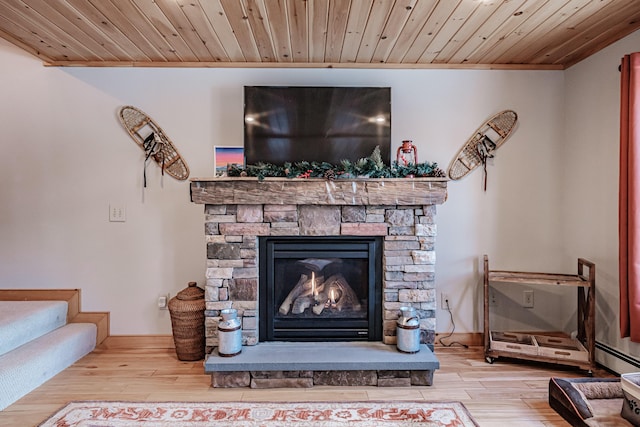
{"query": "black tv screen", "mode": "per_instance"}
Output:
(324, 124)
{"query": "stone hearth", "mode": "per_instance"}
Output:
(238, 210)
(307, 364)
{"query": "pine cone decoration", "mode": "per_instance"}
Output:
(439, 173)
(330, 175)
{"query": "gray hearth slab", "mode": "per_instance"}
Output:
(322, 356)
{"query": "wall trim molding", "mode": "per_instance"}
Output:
(129, 342)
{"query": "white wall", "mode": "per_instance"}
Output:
(66, 158)
(590, 178)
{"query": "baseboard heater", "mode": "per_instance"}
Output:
(617, 358)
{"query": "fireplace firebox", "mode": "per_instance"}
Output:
(320, 288)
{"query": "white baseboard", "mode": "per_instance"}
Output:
(616, 360)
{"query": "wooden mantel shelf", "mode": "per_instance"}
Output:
(318, 191)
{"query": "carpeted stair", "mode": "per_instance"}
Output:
(36, 343)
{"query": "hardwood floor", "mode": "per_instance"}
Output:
(510, 393)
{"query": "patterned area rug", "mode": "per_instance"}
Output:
(259, 414)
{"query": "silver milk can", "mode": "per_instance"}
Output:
(408, 330)
(229, 333)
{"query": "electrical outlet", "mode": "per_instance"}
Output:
(493, 298)
(527, 299)
(117, 213)
(163, 302)
(445, 301)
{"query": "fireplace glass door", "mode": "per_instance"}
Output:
(320, 288)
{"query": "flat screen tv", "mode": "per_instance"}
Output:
(324, 124)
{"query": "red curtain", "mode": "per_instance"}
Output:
(629, 209)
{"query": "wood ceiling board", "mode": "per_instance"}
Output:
(69, 25)
(394, 26)
(532, 27)
(106, 29)
(204, 30)
(276, 13)
(172, 10)
(378, 16)
(165, 29)
(337, 25)
(549, 34)
(417, 20)
(451, 27)
(601, 41)
(473, 23)
(45, 33)
(11, 38)
(590, 27)
(220, 24)
(149, 31)
(298, 30)
(489, 27)
(21, 37)
(88, 27)
(500, 38)
(318, 21)
(135, 33)
(429, 31)
(256, 13)
(358, 17)
(240, 23)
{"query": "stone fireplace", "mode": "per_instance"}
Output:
(399, 212)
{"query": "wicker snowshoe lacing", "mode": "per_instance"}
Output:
(155, 145)
(503, 123)
(482, 147)
(469, 159)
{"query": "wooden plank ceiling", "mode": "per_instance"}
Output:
(518, 34)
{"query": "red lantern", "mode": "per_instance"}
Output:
(407, 153)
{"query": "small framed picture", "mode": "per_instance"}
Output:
(224, 156)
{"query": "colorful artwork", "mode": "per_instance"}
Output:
(224, 156)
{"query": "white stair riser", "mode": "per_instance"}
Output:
(29, 366)
(23, 321)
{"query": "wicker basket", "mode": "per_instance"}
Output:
(187, 322)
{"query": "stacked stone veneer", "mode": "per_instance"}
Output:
(308, 379)
(232, 231)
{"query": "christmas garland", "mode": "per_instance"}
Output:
(368, 167)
